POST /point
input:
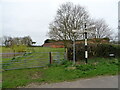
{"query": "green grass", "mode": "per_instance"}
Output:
(33, 49)
(59, 73)
(0, 79)
(32, 59)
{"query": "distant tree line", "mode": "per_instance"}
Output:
(11, 41)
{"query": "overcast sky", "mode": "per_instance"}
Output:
(32, 17)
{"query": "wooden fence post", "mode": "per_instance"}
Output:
(14, 52)
(50, 55)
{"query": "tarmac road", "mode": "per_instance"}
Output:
(96, 82)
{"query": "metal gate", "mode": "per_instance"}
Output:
(12, 61)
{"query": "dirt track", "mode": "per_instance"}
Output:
(97, 82)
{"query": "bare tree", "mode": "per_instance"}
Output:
(6, 41)
(72, 17)
(102, 29)
(26, 41)
(114, 38)
(69, 17)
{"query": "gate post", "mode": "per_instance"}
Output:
(66, 54)
(50, 55)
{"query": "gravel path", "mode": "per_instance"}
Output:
(96, 82)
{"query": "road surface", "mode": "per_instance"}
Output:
(96, 82)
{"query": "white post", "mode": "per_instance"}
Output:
(86, 52)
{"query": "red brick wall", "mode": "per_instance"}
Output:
(54, 45)
(60, 44)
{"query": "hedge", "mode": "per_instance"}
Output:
(94, 50)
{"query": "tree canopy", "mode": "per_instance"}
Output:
(10, 41)
(73, 17)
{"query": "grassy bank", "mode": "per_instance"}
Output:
(57, 73)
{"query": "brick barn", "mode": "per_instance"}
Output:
(60, 44)
(57, 44)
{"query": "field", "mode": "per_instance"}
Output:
(34, 49)
(33, 57)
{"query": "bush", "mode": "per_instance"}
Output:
(19, 48)
(115, 62)
(53, 65)
(103, 50)
(66, 63)
(86, 67)
(94, 50)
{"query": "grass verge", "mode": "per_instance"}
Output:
(58, 73)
